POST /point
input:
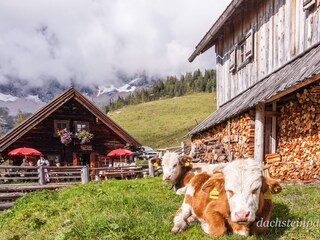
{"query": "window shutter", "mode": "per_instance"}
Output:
(308, 4)
(249, 45)
(232, 66)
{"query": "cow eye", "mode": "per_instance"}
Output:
(230, 193)
(174, 165)
(255, 191)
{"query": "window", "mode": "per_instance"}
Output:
(307, 4)
(245, 50)
(81, 126)
(241, 52)
(53, 159)
(61, 124)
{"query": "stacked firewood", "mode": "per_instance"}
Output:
(227, 141)
(299, 138)
(210, 151)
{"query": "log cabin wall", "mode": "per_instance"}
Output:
(227, 141)
(299, 137)
(43, 137)
(261, 37)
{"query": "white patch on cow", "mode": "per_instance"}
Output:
(191, 219)
(179, 220)
(210, 168)
(181, 191)
(242, 233)
(190, 190)
(243, 181)
(171, 167)
(204, 225)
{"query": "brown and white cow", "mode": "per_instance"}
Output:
(178, 170)
(230, 201)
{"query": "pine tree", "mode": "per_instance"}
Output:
(168, 88)
(20, 117)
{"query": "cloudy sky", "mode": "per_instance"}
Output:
(90, 41)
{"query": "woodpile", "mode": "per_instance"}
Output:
(226, 141)
(298, 138)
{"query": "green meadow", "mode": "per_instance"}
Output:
(164, 123)
(136, 209)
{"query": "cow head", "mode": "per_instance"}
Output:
(173, 166)
(243, 186)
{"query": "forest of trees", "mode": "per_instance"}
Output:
(168, 88)
(8, 122)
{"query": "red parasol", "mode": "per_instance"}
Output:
(24, 152)
(119, 152)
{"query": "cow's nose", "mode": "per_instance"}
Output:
(166, 177)
(242, 216)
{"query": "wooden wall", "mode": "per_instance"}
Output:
(42, 135)
(282, 29)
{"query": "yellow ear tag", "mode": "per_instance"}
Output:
(214, 194)
(155, 164)
(187, 164)
(267, 195)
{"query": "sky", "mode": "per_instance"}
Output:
(91, 41)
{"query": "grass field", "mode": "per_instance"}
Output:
(164, 123)
(136, 209)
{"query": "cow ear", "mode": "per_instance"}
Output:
(185, 161)
(216, 181)
(156, 161)
(270, 184)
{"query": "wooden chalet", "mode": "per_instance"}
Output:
(268, 87)
(74, 112)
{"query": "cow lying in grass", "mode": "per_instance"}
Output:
(178, 170)
(230, 201)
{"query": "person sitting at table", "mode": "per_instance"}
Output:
(25, 162)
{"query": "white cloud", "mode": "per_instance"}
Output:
(88, 41)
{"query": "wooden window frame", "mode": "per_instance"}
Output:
(249, 45)
(55, 123)
(81, 122)
(307, 4)
(54, 158)
(245, 50)
(233, 59)
(241, 54)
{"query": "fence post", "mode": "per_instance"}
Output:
(41, 176)
(85, 174)
(151, 169)
(183, 145)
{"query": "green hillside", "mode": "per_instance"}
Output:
(164, 123)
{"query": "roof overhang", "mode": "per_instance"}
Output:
(299, 72)
(209, 38)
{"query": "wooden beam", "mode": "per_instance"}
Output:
(272, 114)
(259, 132)
(294, 88)
(274, 129)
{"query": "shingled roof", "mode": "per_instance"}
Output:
(300, 71)
(44, 112)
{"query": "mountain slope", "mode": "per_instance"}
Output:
(164, 123)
